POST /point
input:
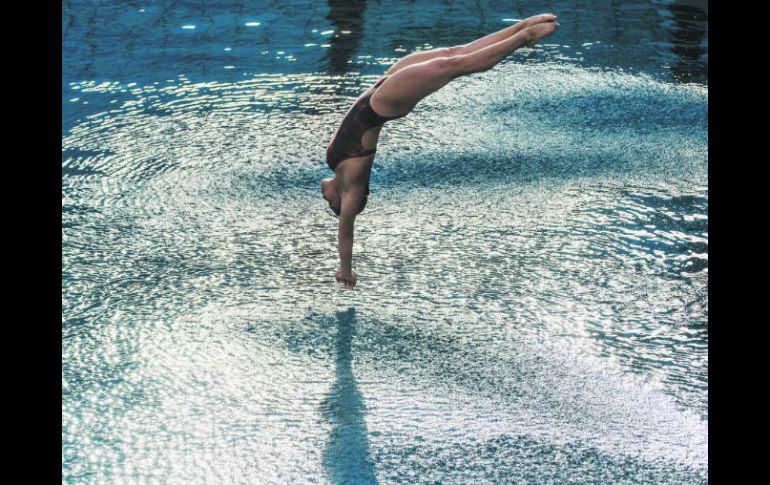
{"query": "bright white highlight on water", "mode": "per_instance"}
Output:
(188, 27)
(552, 324)
(252, 24)
(327, 32)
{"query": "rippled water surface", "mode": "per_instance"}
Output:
(532, 303)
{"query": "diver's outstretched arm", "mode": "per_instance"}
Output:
(351, 201)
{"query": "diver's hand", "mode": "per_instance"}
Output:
(348, 278)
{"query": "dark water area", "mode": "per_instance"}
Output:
(147, 42)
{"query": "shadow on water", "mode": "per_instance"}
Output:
(347, 16)
(346, 456)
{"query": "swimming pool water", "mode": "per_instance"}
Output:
(532, 303)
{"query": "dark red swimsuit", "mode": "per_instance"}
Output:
(346, 143)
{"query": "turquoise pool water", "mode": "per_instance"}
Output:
(532, 304)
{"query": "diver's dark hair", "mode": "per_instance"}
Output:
(360, 207)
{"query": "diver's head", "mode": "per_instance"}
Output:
(331, 194)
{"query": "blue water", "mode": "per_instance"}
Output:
(532, 303)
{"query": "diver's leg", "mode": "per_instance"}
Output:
(485, 58)
(422, 56)
(404, 89)
(493, 38)
(503, 34)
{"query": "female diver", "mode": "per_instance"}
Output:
(351, 150)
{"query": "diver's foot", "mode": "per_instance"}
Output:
(538, 19)
(540, 31)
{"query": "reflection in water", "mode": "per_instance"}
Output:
(346, 456)
(687, 36)
(347, 16)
